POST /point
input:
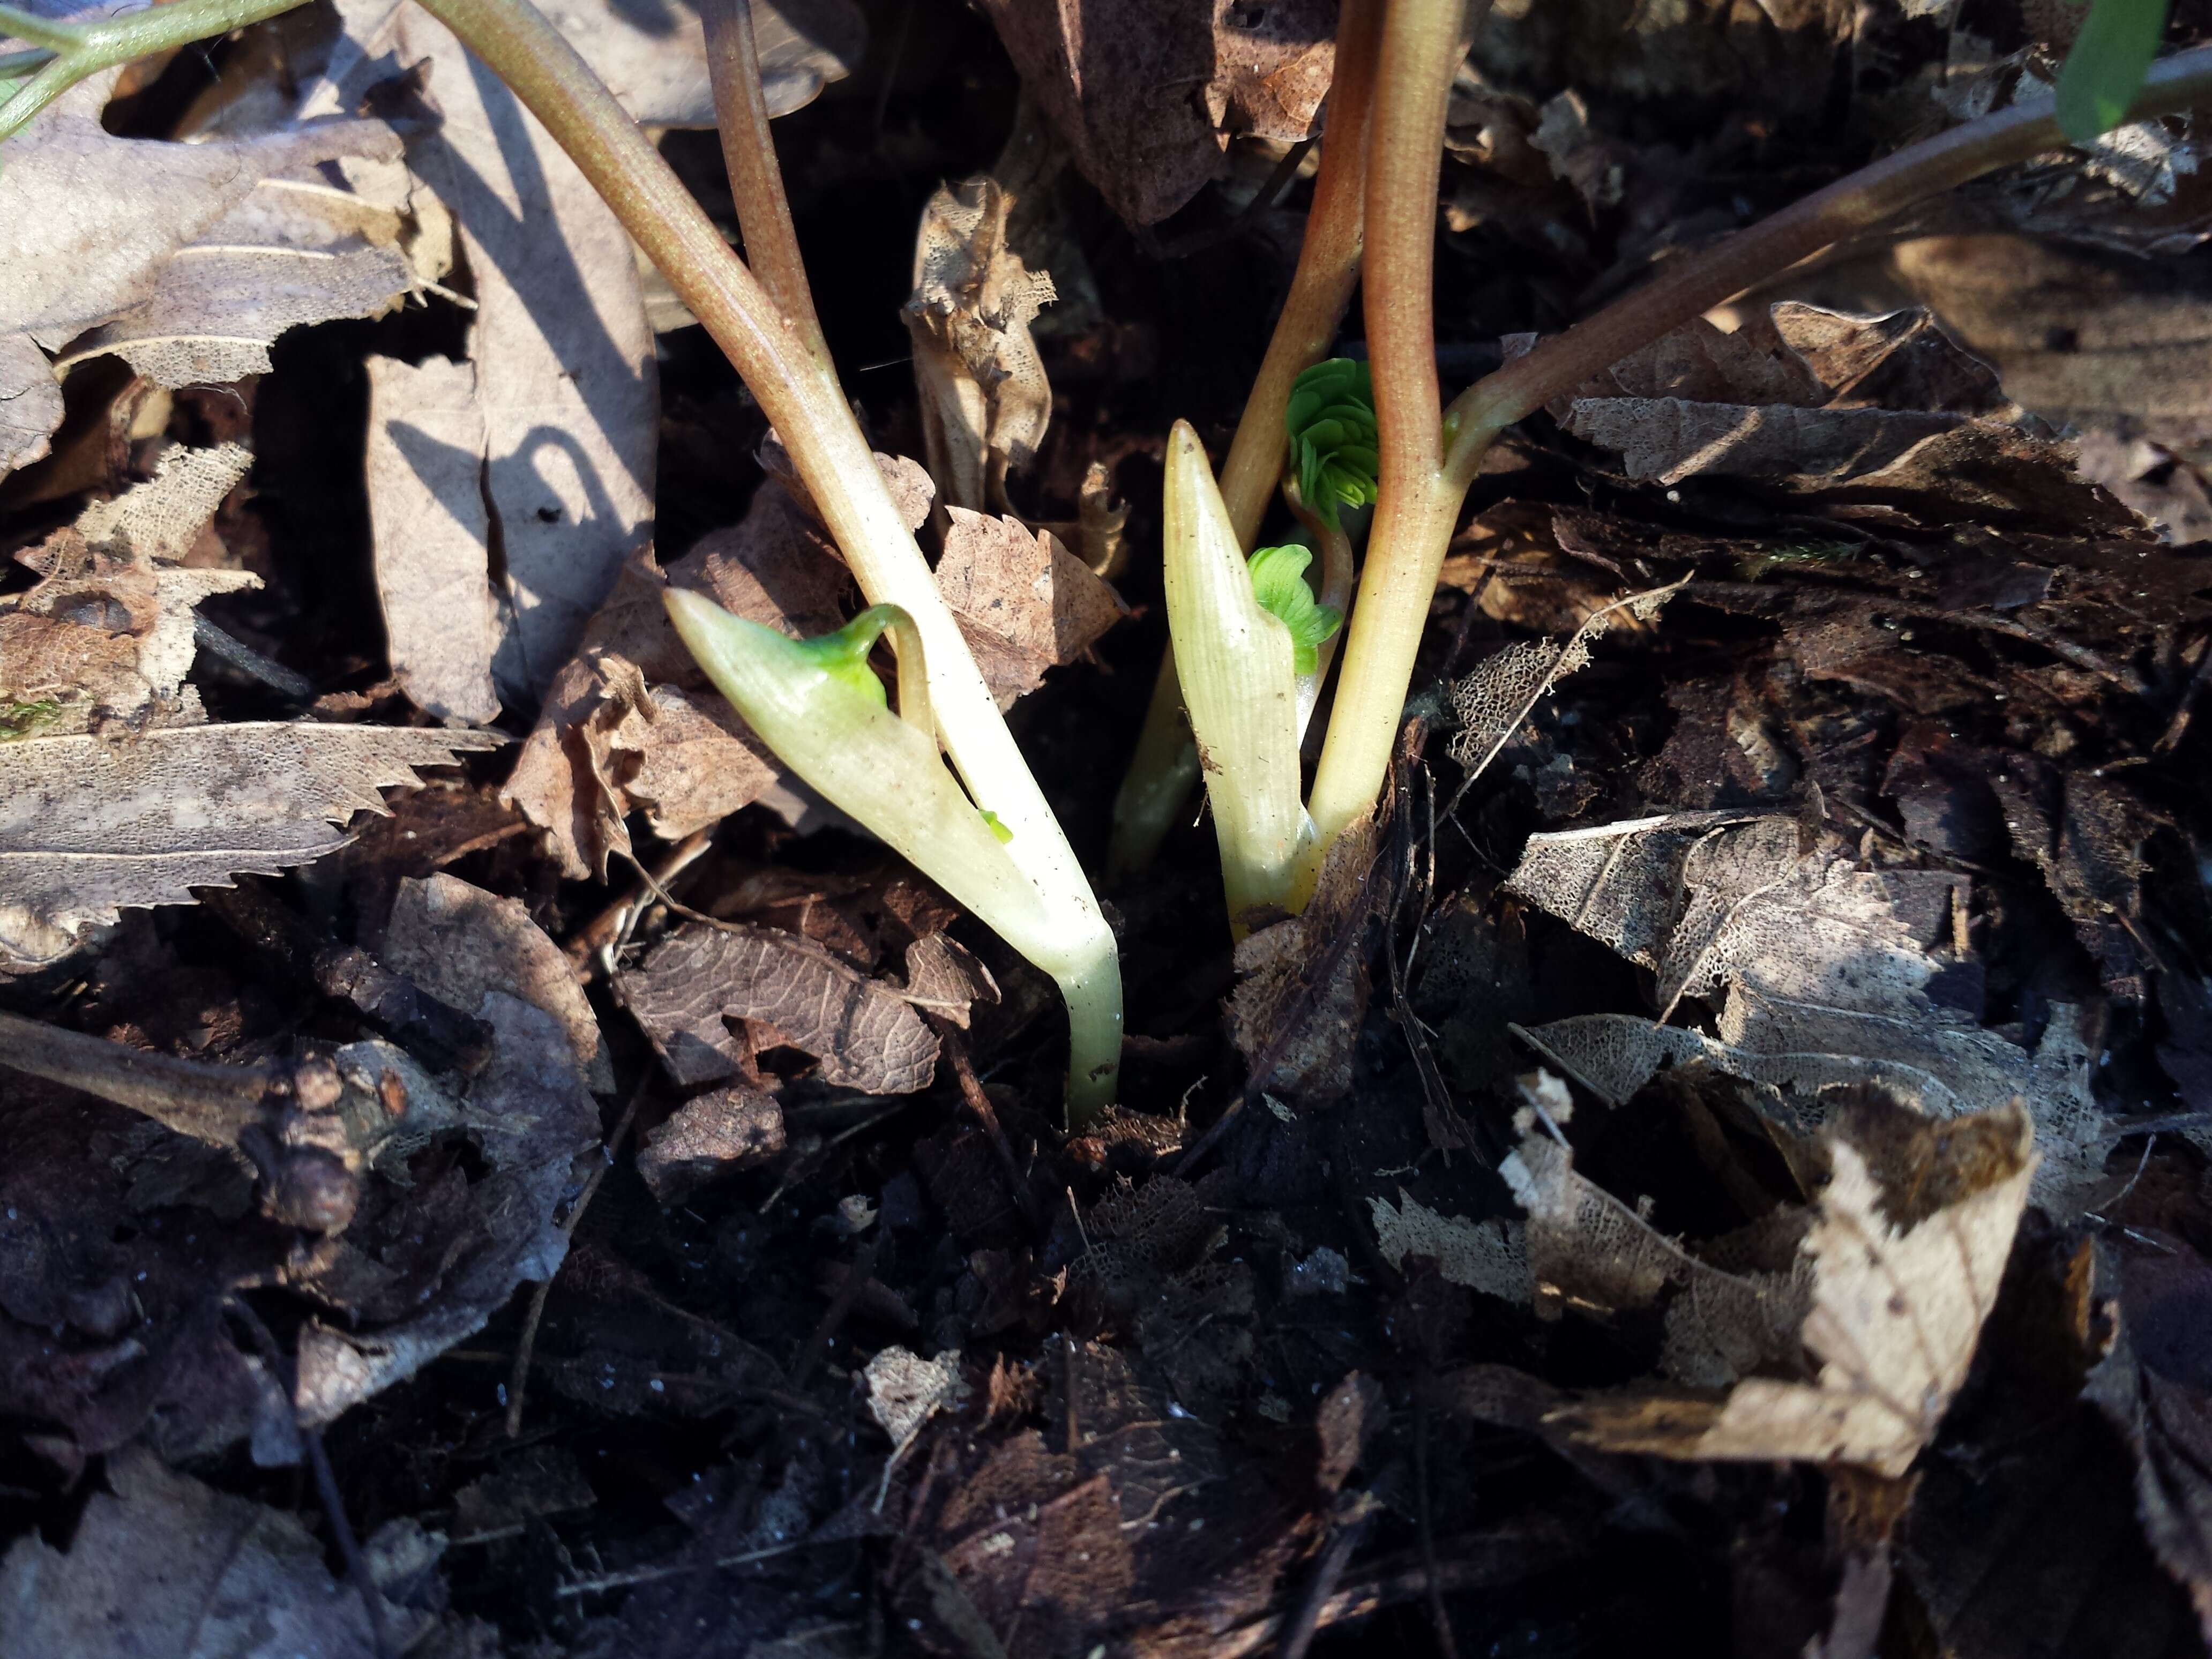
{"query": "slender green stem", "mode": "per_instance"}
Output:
(82, 50)
(1415, 510)
(801, 397)
(1164, 767)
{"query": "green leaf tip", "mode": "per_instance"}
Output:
(1331, 423)
(843, 655)
(2105, 71)
(1278, 582)
(998, 829)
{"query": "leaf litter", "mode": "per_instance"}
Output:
(1886, 821)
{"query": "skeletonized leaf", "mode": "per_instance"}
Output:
(87, 827)
(1906, 1254)
(863, 1033)
(1489, 1256)
(985, 400)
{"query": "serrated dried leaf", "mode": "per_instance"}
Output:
(985, 399)
(87, 827)
(863, 1033)
(1488, 1256)
(1896, 1305)
(1023, 601)
(91, 224)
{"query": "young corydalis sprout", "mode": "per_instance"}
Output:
(822, 711)
(1238, 662)
(1331, 423)
(1278, 582)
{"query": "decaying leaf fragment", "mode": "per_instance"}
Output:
(1023, 601)
(1146, 92)
(1487, 1256)
(1906, 1250)
(1494, 700)
(87, 827)
(162, 1564)
(787, 990)
(985, 400)
(105, 637)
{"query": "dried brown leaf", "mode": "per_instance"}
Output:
(1023, 601)
(87, 827)
(656, 64)
(863, 1033)
(1146, 94)
(1488, 1256)
(1900, 1287)
(985, 400)
(726, 1130)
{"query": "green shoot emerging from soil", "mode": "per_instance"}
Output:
(2105, 71)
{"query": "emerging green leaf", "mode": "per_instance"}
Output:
(2105, 71)
(1331, 422)
(1278, 582)
(843, 655)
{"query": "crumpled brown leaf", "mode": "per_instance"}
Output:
(655, 64)
(161, 1563)
(1147, 94)
(1906, 1249)
(92, 225)
(1023, 601)
(105, 637)
(789, 990)
(985, 400)
(726, 1130)
(1864, 416)
(86, 826)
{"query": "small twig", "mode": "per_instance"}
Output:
(833, 1317)
(1351, 1527)
(971, 1091)
(1197, 241)
(249, 662)
(326, 1485)
(605, 935)
(518, 1380)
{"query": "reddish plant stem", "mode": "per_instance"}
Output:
(755, 179)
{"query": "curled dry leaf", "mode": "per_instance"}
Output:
(94, 228)
(161, 1563)
(1906, 1250)
(790, 991)
(726, 1130)
(905, 1390)
(430, 1258)
(985, 400)
(1881, 415)
(87, 827)
(631, 723)
(1146, 92)
(1023, 601)
(105, 637)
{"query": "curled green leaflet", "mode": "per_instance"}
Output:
(1278, 582)
(1331, 422)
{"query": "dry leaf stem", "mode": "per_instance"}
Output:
(1428, 463)
(1165, 763)
(801, 398)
